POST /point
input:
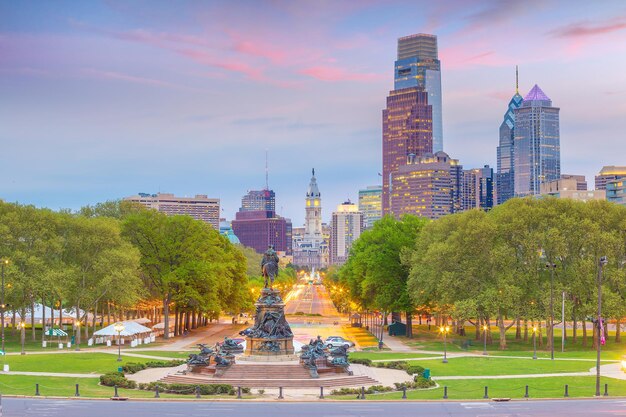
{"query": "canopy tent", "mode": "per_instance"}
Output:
(131, 328)
(69, 315)
(142, 320)
(161, 326)
(56, 332)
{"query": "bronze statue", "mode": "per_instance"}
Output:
(269, 266)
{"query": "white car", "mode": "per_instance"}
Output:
(336, 341)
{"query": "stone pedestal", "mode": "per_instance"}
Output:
(271, 334)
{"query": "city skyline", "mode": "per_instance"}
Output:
(104, 100)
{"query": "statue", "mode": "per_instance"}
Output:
(269, 266)
(229, 345)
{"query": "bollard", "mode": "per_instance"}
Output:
(362, 393)
(156, 391)
(321, 393)
(566, 391)
(197, 391)
(280, 393)
(116, 395)
(77, 394)
(239, 392)
(486, 393)
(606, 390)
(37, 390)
(445, 393)
(526, 394)
(404, 393)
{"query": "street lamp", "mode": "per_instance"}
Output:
(382, 330)
(77, 347)
(119, 328)
(445, 330)
(552, 267)
(601, 263)
(23, 335)
(485, 333)
(534, 342)
(3, 262)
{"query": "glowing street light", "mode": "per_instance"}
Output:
(445, 330)
(119, 328)
(485, 332)
(77, 347)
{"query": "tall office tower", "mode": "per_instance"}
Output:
(616, 191)
(255, 200)
(370, 204)
(407, 130)
(581, 181)
(477, 188)
(608, 174)
(418, 65)
(505, 188)
(312, 249)
(429, 186)
(536, 149)
(346, 227)
(199, 207)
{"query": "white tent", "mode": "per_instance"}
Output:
(161, 326)
(142, 320)
(131, 328)
(68, 315)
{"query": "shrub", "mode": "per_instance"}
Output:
(371, 390)
(400, 365)
(205, 389)
(165, 364)
(116, 378)
(415, 369)
(261, 391)
(132, 367)
(366, 362)
(418, 383)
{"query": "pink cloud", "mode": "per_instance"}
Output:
(112, 75)
(586, 29)
(326, 73)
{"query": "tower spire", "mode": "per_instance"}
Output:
(313, 171)
(267, 173)
(516, 80)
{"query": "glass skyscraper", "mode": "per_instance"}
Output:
(418, 65)
(505, 188)
(536, 149)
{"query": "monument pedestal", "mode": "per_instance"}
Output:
(271, 334)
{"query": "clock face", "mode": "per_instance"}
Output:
(308, 203)
(317, 203)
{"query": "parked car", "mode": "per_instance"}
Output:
(336, 341)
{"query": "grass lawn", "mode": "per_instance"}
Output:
(65, 387)
(84, 363)
(389, 355)
(510, 388)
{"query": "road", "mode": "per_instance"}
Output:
(27, 407)
(310, 299)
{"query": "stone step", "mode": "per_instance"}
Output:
(275, 383)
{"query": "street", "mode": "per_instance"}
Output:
(310, 299)
(26, 407)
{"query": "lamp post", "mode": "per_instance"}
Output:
(601, 263)
(3, 262)
(445, 330)
(382, 330)
(77, 345)
(23, 336)
(551, 267)
(534, 342)
(119, 328)
(485, 334)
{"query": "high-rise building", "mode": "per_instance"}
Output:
(370, 204)
(255, 200)
(536, 150)
(505, 188)
(616, 191)
(608, 174)
(581, 181)
(257, 225)
(418, 65)
(200, 207)
(429, 186)
(347, 225)
(477, 188)
(312, 249)
(569, 186)
(407, 130)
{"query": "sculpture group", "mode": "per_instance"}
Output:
(315, 354)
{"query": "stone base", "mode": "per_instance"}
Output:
(255, 347)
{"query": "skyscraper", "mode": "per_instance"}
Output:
(200, 207)
(505, 188)
(609, 173)
(346, 227)
(255, 200)
(312, 249)
(536, 149)
(370, 204)
(418, 65)
(477, 188)
(429, 186)
(407, 130)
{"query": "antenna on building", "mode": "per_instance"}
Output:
(516, 80)
(267, 172)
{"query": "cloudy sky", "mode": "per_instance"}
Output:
(100, 100)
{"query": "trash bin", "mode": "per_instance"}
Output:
(73, 339)
(5, 368)
(426, 373)
(44, 344)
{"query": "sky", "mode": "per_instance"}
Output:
(104, 99)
